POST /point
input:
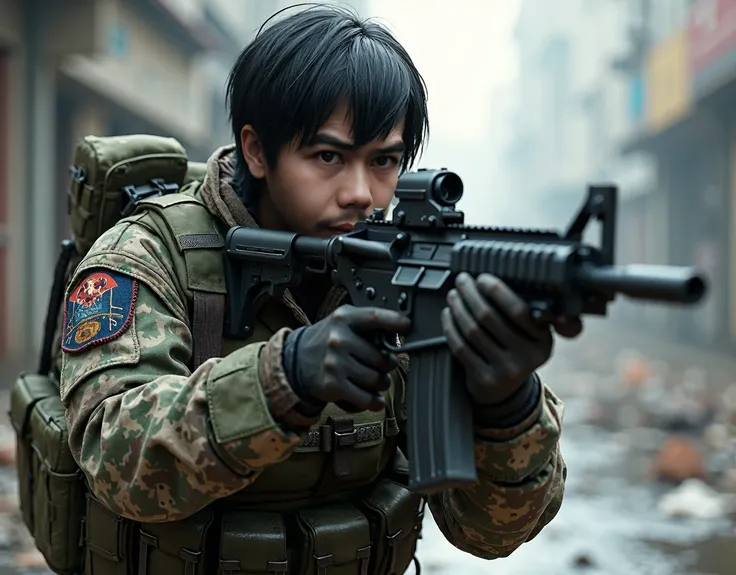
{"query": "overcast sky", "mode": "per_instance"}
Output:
(464, 53)
(467, 57)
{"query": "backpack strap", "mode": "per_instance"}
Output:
(207, 322)
(56, 302)
(193, 236)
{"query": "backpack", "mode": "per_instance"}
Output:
(109, 177)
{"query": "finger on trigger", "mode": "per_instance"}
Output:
(375, 318)
(369, 353)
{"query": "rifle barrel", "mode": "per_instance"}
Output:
(646, 282)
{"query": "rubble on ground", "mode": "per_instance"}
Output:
(678, 422)
(695, 499)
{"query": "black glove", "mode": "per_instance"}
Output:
(336, 360)
(491, 332)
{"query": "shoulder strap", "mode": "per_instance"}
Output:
(193, 234)
(207, 321)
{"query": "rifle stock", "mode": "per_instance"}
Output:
(409, 263)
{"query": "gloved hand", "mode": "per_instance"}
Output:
(490, 330)
(336, 360)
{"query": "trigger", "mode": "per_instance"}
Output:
(385, 344)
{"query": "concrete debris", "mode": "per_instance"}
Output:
(694, 499)
(677, 460)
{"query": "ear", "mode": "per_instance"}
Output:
(253, 153)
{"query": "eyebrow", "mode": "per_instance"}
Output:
(326, 139)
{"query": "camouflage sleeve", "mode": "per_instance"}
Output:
(520, 489)
(156, 442)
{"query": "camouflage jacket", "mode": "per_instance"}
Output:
(158, 442)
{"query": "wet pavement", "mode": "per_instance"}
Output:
(612, 521)
(608, 525)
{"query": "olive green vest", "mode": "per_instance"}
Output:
(337, 506)
(196, 246)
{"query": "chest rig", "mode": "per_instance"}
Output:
(337, 506)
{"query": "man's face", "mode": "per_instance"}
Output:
(325, 187)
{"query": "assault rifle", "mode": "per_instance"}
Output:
(410, 262)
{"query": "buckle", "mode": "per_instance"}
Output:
(345, 438)
(134, 194)
(78, 177)
(337, 433)
(191, 558)
(323, 563)
(147, 539)
(363, 556)
(337, 436)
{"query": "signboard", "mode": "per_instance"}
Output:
(712, 49)
(668, 91)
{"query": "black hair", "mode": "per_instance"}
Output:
(289, 80)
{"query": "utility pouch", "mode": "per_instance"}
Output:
(394, 514)
(337, 541)
(51, 485)
(111, 174)
(27, 390)
(253, 543)
(58, 494)
(176, 547)
(109, 541)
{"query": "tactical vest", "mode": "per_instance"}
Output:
(339, 505)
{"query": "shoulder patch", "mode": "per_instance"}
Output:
(99, 309)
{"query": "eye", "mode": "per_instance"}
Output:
(385, 161)
(328, 157)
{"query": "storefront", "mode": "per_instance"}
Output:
(636, 239)
(712, 63)
(699, 224)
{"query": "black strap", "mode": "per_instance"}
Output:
(145, 541)
(207, 321)
(56, 301)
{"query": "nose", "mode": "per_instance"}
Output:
(355, 191)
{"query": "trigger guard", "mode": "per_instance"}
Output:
(423, 344)
(384, 344)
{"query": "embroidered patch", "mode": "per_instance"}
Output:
(98, 310)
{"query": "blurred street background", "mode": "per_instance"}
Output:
(530, 101)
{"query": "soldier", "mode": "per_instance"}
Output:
(284, 452)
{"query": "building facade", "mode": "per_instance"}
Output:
(640, 93)
(689, 74)
(102, 67)
(69, 69)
